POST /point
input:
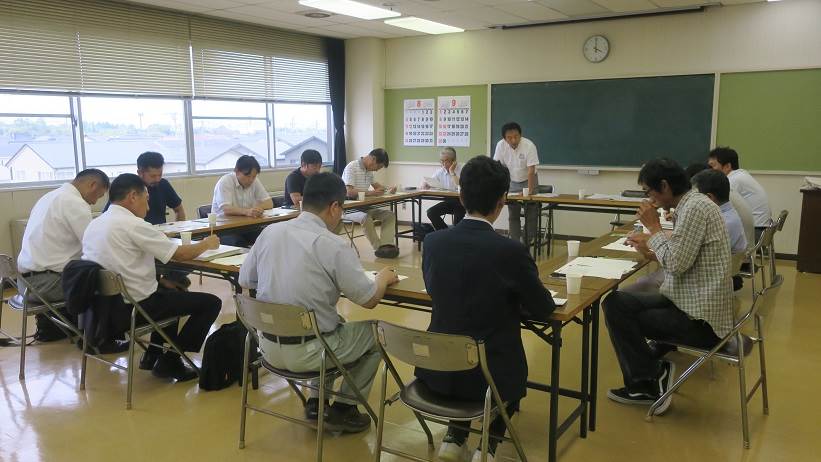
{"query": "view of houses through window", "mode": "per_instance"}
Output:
(46, 137)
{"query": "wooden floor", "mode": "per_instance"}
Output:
(46, 418)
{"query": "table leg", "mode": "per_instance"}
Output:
(553, 430)
(585, 388)
(594, 363)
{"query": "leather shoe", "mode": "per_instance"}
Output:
(149, 359)
(312, 408)
(346, 419)
(387, 251)
(171, 366)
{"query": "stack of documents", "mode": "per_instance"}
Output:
(620, 245)
(175, 226)
(233, 260)
(222, 251)
(372, 275)
(615, 197)
(557, 301)
(547, 195)
(606, 268)
(277, 212)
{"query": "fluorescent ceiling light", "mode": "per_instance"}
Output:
(351, 8)
(422, 25)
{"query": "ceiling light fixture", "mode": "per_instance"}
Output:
(350, 8)
(422, 25)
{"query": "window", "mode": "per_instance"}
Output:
(117, 130)
(226, 130)
(36, 138)
(299, 127)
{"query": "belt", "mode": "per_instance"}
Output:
(282, 340)
(34, 273)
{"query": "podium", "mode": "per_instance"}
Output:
(809, 237)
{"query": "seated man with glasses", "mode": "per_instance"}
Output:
(447, 178)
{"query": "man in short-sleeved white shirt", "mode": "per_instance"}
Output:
(725, 160)
(241, 194)
(120, 240)
(521, 157)
(448, 177)
(54, 232)
(327, 265)
(358, 177)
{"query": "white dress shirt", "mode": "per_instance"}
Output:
(743, 183)
(229, 191)
(449, 183)
(54, 233)
(357, 176)
(517, 160)
(121, 242)
(746, 215)
(299, 262)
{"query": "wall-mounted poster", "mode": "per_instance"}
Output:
(453, 127)
(419, 124)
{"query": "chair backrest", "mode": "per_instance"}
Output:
(108, 283)
(782, 217)
(274, 318)
(278, 201)
(204, 210)
(428, 350)
(8, 270)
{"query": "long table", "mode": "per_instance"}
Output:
(582, 309)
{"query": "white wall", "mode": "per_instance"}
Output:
(781, 35)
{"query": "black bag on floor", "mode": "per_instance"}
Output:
(47, 331)
(222, 357)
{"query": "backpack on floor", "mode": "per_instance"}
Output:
(222, 357)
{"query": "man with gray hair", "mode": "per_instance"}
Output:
(448, 179)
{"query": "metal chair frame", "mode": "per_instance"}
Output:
(9, 273)
(441, 352)
(291, 321)
(722, 352)
(111, 284)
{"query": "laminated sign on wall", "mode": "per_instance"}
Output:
(453, 128)
(419, 122)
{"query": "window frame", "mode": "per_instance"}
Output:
(329, 129)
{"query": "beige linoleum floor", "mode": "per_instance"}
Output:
(46, 417)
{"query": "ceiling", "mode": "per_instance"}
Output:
(467, 14)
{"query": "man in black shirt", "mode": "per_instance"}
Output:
(310, 164)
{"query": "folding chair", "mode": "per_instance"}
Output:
(733, 349)
(109, 285)
(203, 210)
(20, 302)
(438, 352)
(291, 321)
(775, 278)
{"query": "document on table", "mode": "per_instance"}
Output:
(372, 275)
(557, 301)
(620, 245)
(547, 195)
(615, 197)
(607, 268)
(175, 226)
(208, 255)
(233, 260)
(277, 212)
(433, 182)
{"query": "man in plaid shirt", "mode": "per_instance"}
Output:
(694, 305)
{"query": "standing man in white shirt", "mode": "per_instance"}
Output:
(725, 160)
(520, 156)
(54, 232)
(120, 240)
(358, 176)
(241, 194)
(448, 178)
(328, 266)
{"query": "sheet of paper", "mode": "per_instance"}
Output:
(547, 195)
(433, 182)
(557, 301)
(620, 245)
(277, 212)
(614, 197)
(607, 268)
(372, 275)
(233, 260)
(175, 226)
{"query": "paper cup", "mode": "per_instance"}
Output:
(526, 192)
(185, 236)
(574, 283)
(573, 248)
(361, 195)
(582, 193)
(212, 219)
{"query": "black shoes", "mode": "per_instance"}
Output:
(312, 408)
(387, 251)
(171, 366)
(343, 418)
(645, 397)
(149, 359)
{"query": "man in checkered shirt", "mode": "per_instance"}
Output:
(694, 305)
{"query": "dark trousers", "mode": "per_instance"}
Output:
(497, 427)
(245, 239)
(633, 317)
(443, 208)
(201, 308)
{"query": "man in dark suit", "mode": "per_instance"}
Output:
(482, 285)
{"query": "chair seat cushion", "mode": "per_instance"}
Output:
(16, 302)
(307, 375)
(418, 396)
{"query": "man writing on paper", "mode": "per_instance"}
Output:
(328, 266)
(447, 178)
(310, 165)
(520, 156)
(694, 305)
(240, 193)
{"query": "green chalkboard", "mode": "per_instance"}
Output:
(610, 122)
(394, 114)
(773, 119)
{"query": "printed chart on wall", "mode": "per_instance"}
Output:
(419, 122)
(453, 121)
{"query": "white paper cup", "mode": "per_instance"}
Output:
(212, 219)
(573, 248)
(582, 193)
(574, 283)
(185, 236)
(399, 188)
(526, 192)
(361, 195)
